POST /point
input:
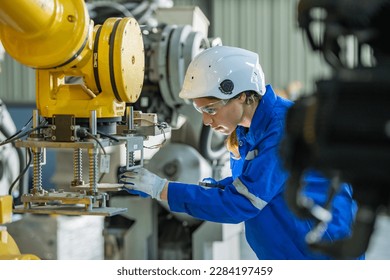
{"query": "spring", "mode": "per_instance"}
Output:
(77, 165)
(93, 170)
(37, 174)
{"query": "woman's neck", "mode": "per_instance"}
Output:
(248, 114)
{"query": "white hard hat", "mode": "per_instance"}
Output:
(223, 72)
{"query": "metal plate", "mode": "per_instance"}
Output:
(102, 187)
(70, 210)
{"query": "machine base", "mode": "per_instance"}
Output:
(70, 210)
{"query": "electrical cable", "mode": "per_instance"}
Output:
(22, 173)
(160, 126)
(101, 146)
(7, 141)
(10, 140)
(97, 141)
(20, 157)
(109, 136)
(6, 133)
(20, 130)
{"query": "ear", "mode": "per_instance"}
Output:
(242, 97)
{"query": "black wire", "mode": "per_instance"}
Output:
(10, 140)
(101, 177)
(109, 136)
(24, 183)
(101, 146)
(18, 150)
(97, 140)
(20, 131)
(22, 173)
(7, 141)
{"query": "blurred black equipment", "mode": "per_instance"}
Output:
(343, 129)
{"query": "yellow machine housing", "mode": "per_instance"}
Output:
(55, 39)
(8, 248)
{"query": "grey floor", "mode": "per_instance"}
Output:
(379, 246)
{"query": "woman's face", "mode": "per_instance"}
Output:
(220, 115)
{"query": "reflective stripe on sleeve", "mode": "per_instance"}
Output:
(251, 154)
(242, 189)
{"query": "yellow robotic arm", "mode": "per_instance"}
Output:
(45, 34)
(57, 38)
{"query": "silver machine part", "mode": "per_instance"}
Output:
(80, 198)
(181, 163)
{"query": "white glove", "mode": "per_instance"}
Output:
(143, 182)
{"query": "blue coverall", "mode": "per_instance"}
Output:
(254, 192)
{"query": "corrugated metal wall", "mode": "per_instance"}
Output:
(17, 82)
(267, 27)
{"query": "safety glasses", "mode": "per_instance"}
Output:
(211, 108)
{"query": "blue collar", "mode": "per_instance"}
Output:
(260, 119)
